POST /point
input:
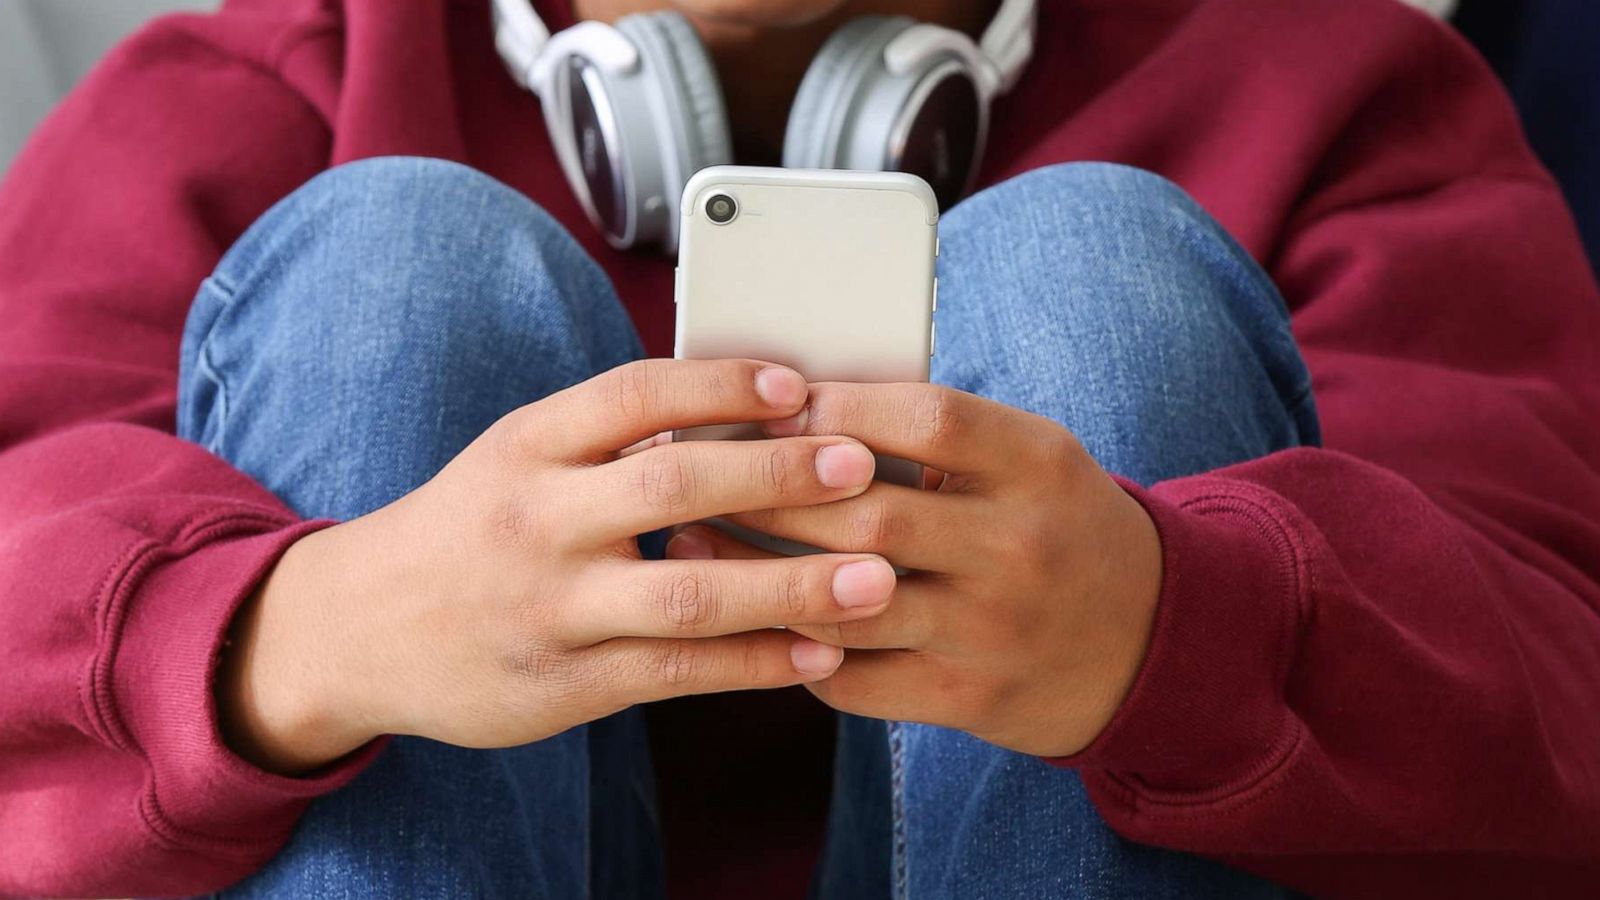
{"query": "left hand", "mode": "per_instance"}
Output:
(1034, 576)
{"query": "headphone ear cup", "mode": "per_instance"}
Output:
(694, 77)
(691, 121)
(818, 129)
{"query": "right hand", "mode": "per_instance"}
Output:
(505, 601)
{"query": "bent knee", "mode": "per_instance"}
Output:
(1099, 292)
(1087, 215)
(1097, 257)
(397, 262)
(388, 218)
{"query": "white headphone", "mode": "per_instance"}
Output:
(634, 109)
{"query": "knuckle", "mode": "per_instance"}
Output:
(869, 527)
(1062, 452)
(937, 418)
(516, 436)
(752, 668)
(792, 591)
(674, 663)
(776, 465)
(534, 661)
(665, 483)
(715, 381)
(834, 409)
(686, 601)
(631, 389)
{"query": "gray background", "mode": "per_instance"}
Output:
(47, 45)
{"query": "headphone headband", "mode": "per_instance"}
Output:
(1006, 44)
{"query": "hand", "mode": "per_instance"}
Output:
(1035, 576)
(505, 601)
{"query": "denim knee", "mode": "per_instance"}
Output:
(1104, 297)
(394, 302)
(394, 263)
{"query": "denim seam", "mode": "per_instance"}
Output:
(207, 368)
(897, 784)
(1303, 399)
(1257, 282)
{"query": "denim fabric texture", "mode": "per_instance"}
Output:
(375, 321)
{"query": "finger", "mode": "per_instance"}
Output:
(951, 430)
(706, 598)
(709, 542)
(911, 621)
(649, 669)
(686, 481)
(913, 528)
(632, 402)
(899, 685)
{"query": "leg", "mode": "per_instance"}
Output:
(360, 334)
(1102, 297)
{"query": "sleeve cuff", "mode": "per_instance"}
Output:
(1206, 714)
(168, 612)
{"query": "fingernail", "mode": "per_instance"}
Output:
(791, 427)
(812, 658)
(844, 465)
(781, 388)
(865, 583)
(690, 545)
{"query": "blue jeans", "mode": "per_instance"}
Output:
(375, 321)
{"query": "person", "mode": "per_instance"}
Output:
(1266, 554)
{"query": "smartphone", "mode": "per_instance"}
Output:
(830, 272)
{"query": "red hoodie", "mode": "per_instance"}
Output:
(1375, 668)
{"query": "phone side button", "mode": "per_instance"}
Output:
(933, 338)
(935, 293)
(677, 286)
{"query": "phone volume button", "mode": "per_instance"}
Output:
(935, 293)
(933, 338)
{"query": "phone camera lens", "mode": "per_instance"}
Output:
(721, 209)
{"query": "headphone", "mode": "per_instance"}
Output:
(635, 109)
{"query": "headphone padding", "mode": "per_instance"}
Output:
(690, 74)
(810, 139)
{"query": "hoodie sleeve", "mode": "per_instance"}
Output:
(124, 550)
(1374, 666)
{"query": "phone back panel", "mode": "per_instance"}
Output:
(829, 272)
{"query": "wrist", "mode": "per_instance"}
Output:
(282, 703)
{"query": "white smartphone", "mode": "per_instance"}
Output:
(830, 272)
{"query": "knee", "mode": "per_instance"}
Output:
(394, 263)
(1085, 204)
(1092, 260)
(1099, 243)
(1104, 297)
